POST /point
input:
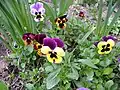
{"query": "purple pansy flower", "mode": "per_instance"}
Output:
(28, 38)
(38, 11)
(52, 49)
(82, 88)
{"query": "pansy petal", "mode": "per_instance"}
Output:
(96, 43)
(100, 44)
(59, 42)
(33, 11)
(50, 43)
(39, 38)
(54, 60)
(99, 52)
(36, 20)
(105, 38)
(111, 42)
(45, 49)
(59, 51)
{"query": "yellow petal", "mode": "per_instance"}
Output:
(111, 42)
(59, 51)
(107, 52)
(99, 51)
(45, 49)
(100, 44)
(39, 52)
(42, 18)
(54, 60)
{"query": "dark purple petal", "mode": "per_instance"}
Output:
(39, 38)
(28, 35)
(82, 88)
(105, 38)
(49, 42)
(96, 43)
(59, 42)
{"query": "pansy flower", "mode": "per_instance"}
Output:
(105, 38)
(28, 38)
(39, 42)
(105, 47)
(38, 11)
(53, 48)
(82, 88)
(82, 14)
(61, 21)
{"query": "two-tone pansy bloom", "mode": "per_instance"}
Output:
(53, 49)
(61, 21)
(105, 46)
(28, 38)
(38, 11)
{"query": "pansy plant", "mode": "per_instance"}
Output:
(28, 38)
(53, 48)
(38, 11)
(61, 21)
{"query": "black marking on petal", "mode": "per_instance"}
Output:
(107, 49)
(103, 46)
(61, 25)
(102, 50)
(36, 13)
(39, 46)
(108, 45)
(52, 55)
(38, 16)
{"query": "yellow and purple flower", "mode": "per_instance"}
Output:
(105, 47)
(61, 21)
(39, 43)
(38, 11)
(28, 38)
(53, 48)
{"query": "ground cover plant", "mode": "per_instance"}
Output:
(61, 44)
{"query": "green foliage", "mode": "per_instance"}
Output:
(3, 86)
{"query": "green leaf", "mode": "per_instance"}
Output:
(29, 86)
(107, 71)
(3, 86)
(50, 12)
(29, 49)
(100, 87)
(109, 84)
(87, 62)
(74, 74)
(53, 79)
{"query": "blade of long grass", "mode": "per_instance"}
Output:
(64, 5)
(107, 17)
(113, 21)
(49, 11)
(99, 21)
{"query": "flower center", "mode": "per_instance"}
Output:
(38, 15)
(105, 48)
(53, 54)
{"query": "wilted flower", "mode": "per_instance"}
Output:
(28, 38)
(53, 49)
(39, 42)
(61, 21)
(105, 47)
(82, 88)
(38, 11)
